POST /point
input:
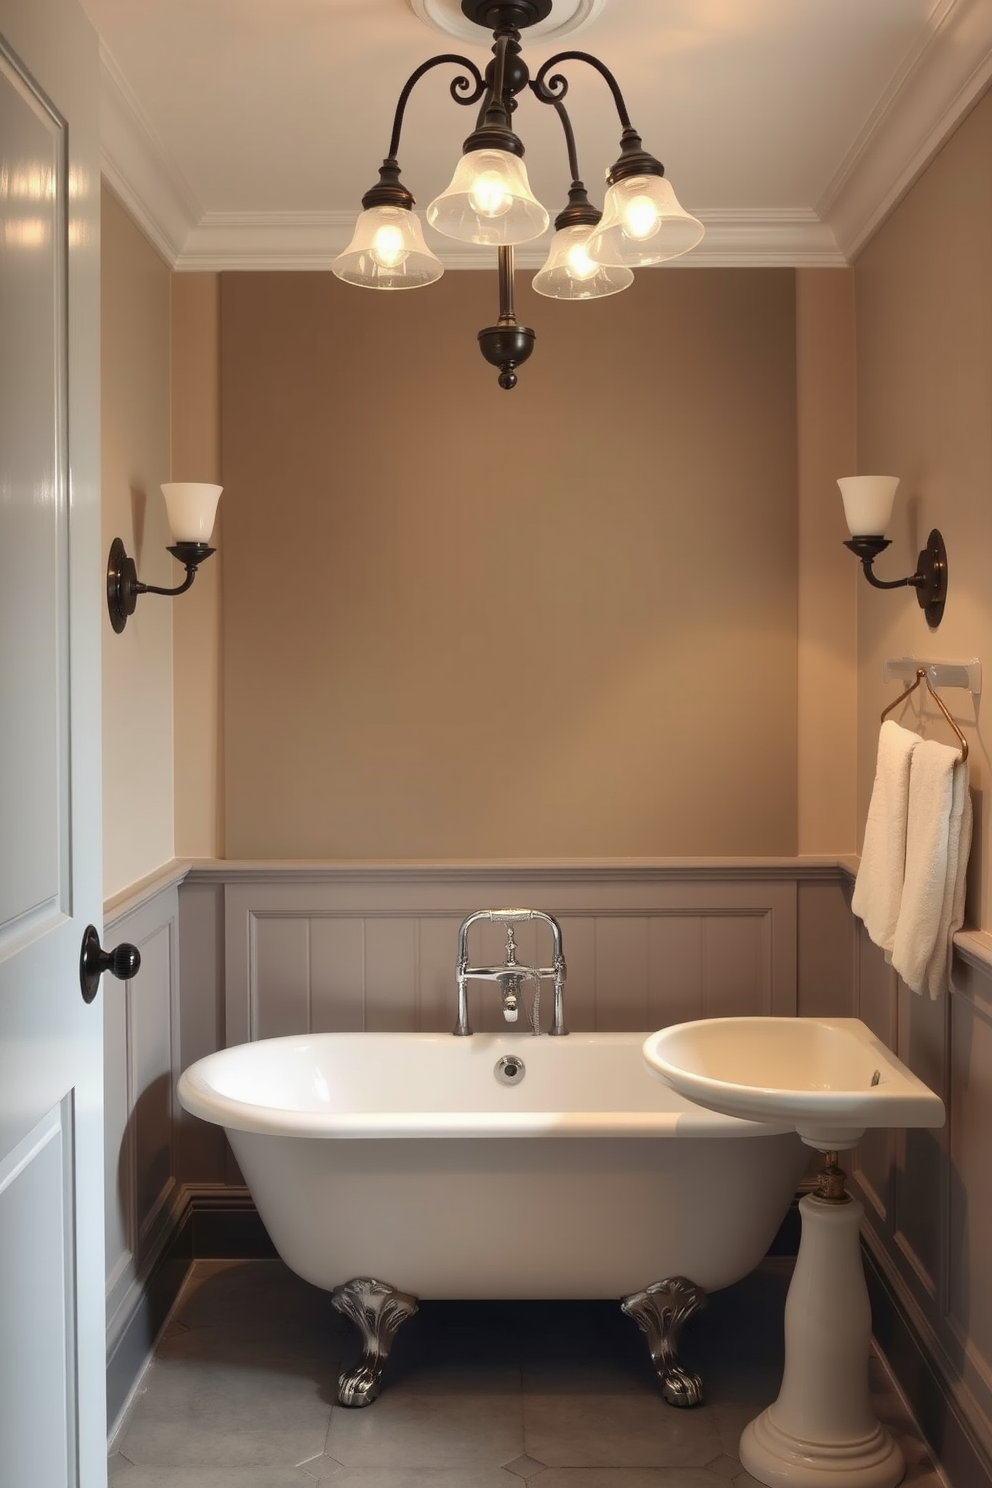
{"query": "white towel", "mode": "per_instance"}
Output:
(937, 846)
(878, 888)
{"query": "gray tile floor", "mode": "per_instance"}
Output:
(241, 1394)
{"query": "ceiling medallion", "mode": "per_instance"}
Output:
(447, 16)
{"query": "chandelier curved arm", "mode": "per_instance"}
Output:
(566, 124)
(634, 159)
(553, 89)
(458, 88)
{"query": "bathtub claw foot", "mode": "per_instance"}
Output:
(660, 1312)
(377, 1310)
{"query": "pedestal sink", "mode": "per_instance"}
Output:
(831, 1079)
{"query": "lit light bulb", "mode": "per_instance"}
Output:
(580, 265)
(387, 246)
(489, 195)
(640, 218)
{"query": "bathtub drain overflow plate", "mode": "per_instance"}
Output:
(509, 1070)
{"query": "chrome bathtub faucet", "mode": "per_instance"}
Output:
(511, 975)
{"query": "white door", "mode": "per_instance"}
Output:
(52, 1330)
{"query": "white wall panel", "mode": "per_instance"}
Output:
(377, 950)
(141, 1050)
(622, 971)
(920, 1157)
(970, 1199)
(736, 965)
(281, 964)
(337, 975)
(436, 970)
(928, 1201)
(202, 1148)
(150, 1022)
(675, 969)
(827, 948)
(579, 941)
(876, 997)
(391, 981)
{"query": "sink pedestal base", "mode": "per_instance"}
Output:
(821, 1432)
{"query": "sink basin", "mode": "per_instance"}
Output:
(830, 1078)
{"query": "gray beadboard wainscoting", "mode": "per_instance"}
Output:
(233, 951)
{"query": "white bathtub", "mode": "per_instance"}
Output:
(401, 1156)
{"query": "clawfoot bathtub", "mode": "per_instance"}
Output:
(392, 1167)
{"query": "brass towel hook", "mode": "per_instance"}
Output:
(921, 676)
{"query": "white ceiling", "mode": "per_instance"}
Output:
(243, 133)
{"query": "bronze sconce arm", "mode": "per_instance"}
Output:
(124, 586)
(929, 580)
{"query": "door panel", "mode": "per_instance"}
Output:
(36, 1240)
(33, 558)
(52, 1324)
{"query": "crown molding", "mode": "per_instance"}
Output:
(310, 240)
(748, 238)
(137, 168)
(936, 87)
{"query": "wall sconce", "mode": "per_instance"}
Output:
(191, 506)
(868, 506)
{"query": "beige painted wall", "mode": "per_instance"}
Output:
(137, 665)
(924, 315)
(827, 575)
(465, 623)
(196, 621)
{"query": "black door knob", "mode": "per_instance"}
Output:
(123, 962)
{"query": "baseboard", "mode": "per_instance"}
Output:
(223, 1224)
(938, 1414)
(211, 1224)
(135, 1340)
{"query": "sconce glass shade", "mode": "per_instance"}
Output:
(868, 503)
(642, 224)
(569, 273)
(387, 251)
(191, 506)
(489, 201)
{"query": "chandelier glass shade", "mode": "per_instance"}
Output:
(643, 224)
(388, 251)
(489, 200)
(571, 273)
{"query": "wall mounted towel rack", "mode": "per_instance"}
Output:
(941, 673)
(923, 675)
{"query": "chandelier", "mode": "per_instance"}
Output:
(489, 201)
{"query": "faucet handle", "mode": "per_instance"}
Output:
(509, 983)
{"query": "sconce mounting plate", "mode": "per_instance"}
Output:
(122, 585)
(931, 568)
